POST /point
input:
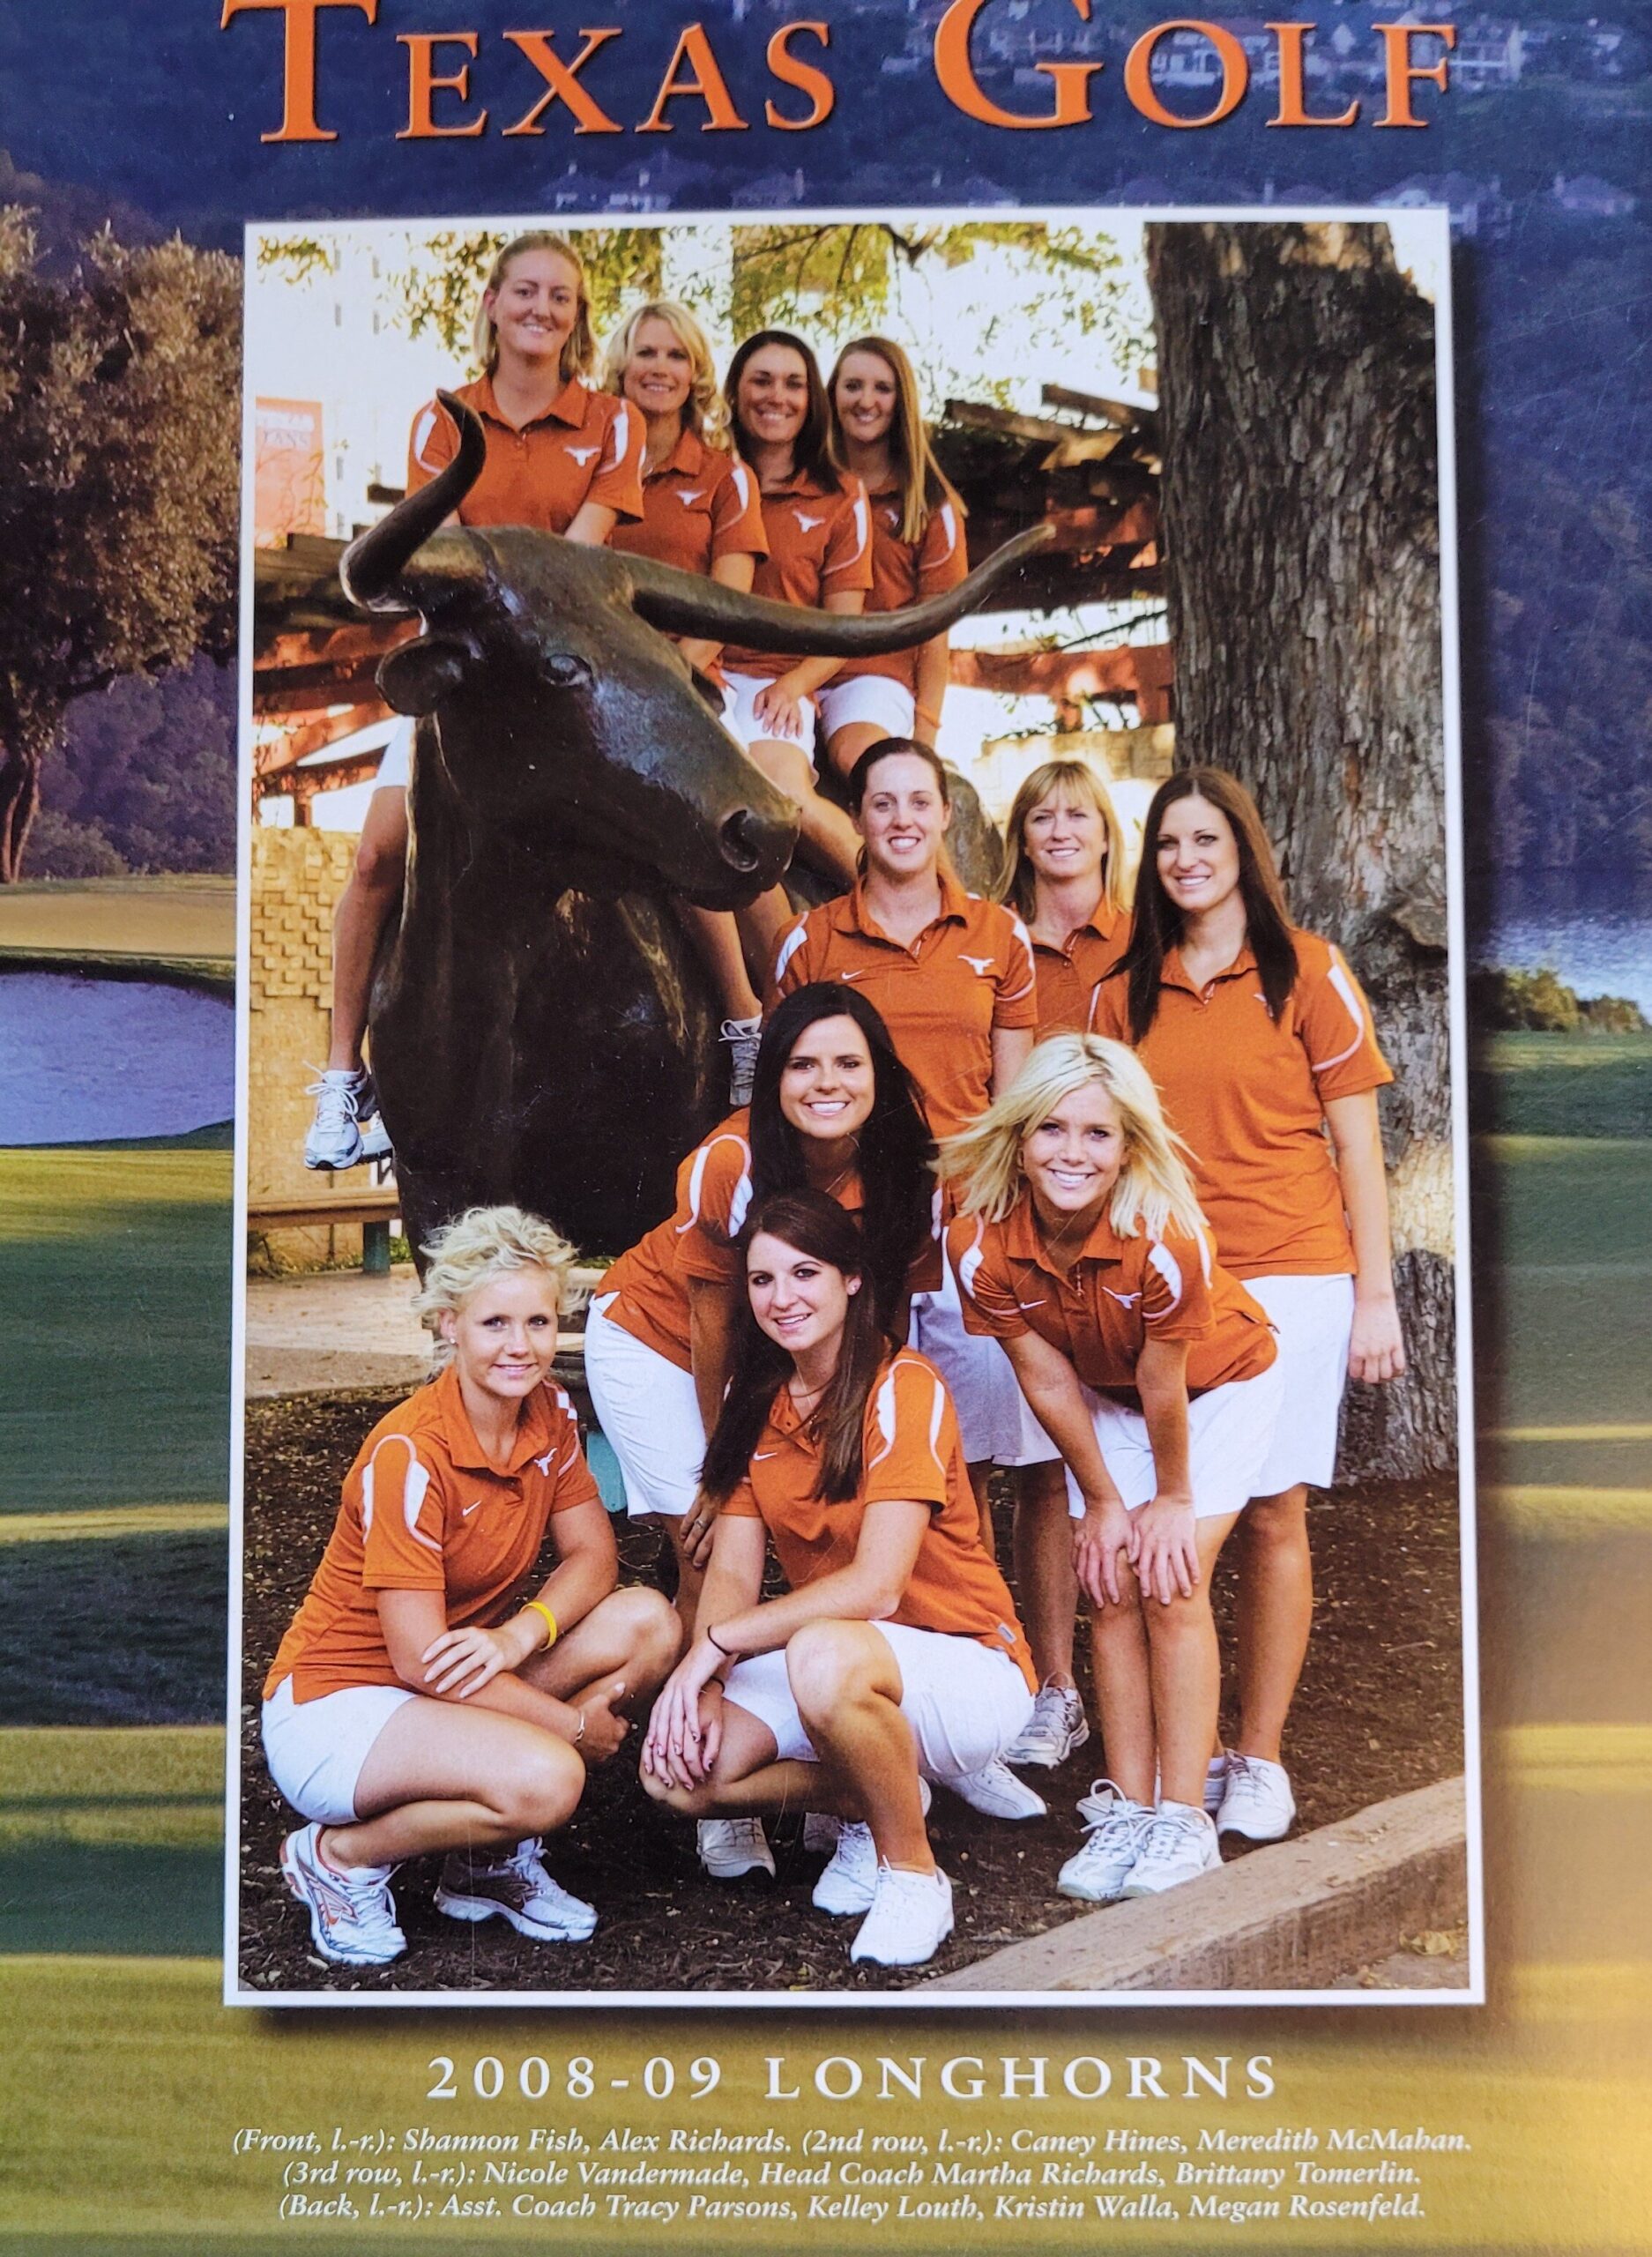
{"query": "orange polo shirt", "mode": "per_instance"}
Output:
(1249, 1095)
(1069, 977)
(907, 572)
(1119, 1294)
(911, 1450)
(423, 1510)
(701, 504)
(586, 447)
(651, 1282)
(820, 543)
(941, 998)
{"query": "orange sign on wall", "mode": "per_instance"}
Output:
(289, 471)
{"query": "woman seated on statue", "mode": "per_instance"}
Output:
(894, 1655)
(1261, 1044)
(701, 513)
(562, 457)
(419, 1701)
(832, 1109)
(818, 530)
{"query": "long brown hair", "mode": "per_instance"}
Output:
(1158, 927)
(925, 486)
(811, 1223)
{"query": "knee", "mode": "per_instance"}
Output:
(378, 865)
(827, 1665)
(649, 1631)
(1277, 1525)
(542, 1789)
(1173, 1622)
(688, 1802)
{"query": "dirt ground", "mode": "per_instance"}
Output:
(1380, 1711)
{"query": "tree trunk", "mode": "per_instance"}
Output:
(1301, 522)
(19, 803)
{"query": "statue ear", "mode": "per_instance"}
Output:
(416, 678)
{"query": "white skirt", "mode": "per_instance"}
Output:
(1229, 1433)
(871, 699)
(1312, 1320)
(648, 1409)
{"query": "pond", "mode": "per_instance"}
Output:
(82, 1059)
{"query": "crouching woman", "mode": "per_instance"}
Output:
(895, 1655)
(417, 1703)
(1080, 1245)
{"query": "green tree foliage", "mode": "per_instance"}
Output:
(441, 298)
(119, 429)
(143, 779)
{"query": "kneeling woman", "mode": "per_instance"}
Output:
(414, 1705)
(1081, 1247)
(895, 1655)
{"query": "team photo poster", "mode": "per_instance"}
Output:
(760, 1682)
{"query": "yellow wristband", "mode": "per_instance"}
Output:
(539, 1606)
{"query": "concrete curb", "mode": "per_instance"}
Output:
(1290, 1918)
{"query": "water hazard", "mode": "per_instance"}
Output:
(83, 1058)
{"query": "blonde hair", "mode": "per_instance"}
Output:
(479, 1245)
(705, 413)
(924, 484)
(1080, 779)
(579, 353)
(1154, 1186)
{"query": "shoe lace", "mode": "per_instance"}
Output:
(1105, 1800)
(739, 1030)
(1168, 1830)
(524, 1859)
(335, 1101)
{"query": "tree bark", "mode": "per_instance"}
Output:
(21, 753)
(1300, 513)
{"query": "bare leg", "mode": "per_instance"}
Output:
(716, 938)
(630, 1638)
(747, 1778)
(1187, 1672)
(443, 1777)
(1276, 1615)
(364, 907)
(845, 746)
(824, 831)
(763, 927)
(1120, 1667)
(1044, 1568)
(847, 1685)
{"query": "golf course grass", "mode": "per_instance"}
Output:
(185, 926)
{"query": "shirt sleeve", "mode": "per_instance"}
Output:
(737, 526)
(847, 562)
(573, 1482)
(743, 1503)
(403, 1520)
(617, 481)
(990, 1309)
(944, 558)
(1176, 1302)
(1015, 1002)
(793, 963)
(432, 444)
(713, 1193)
(1334, 1026)
(1109, 1009)
(911, 1430)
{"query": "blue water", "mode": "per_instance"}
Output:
(84, 1059)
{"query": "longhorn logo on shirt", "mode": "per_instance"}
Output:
(544, 1463)
(1125, 1301)
(806, 524)
(581, 455)
(689, 500)
(980, 965)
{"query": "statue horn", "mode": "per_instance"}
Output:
(370, 569)
(684, 603)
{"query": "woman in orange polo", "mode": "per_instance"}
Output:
(918, 548)
(701, 513)
(560, 457)
(417, 1702)
(819, 532)
(1064, 879)
(1079, 1245)
(1263, 1050)
(895, 1655)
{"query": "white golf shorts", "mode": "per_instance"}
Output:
(1312, 1320)
(1229, 1433)
(315, 1749)
(648, 1409)
(873, 698)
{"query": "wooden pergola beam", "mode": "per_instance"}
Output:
(277, 753)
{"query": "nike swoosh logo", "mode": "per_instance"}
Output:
(852, 975)
(468, 1510)
(758, 1454)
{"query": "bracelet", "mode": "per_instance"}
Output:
(538, 1606)
(711, 1639)
(580, 1734)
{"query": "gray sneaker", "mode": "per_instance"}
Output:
(1056, 1728)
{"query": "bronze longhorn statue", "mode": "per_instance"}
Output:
(540, 1029)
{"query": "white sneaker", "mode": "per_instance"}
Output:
(344, 1099)
(910, 1920)
(742, 1036)
(1215, 1782)
(996, 1791)
(730, 1847)
(1257, 1802)
(1096, 1875)
(1056, 1728)
(849, 1881)
(518, 1889)
(1178, 1844)
(352, 1915)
